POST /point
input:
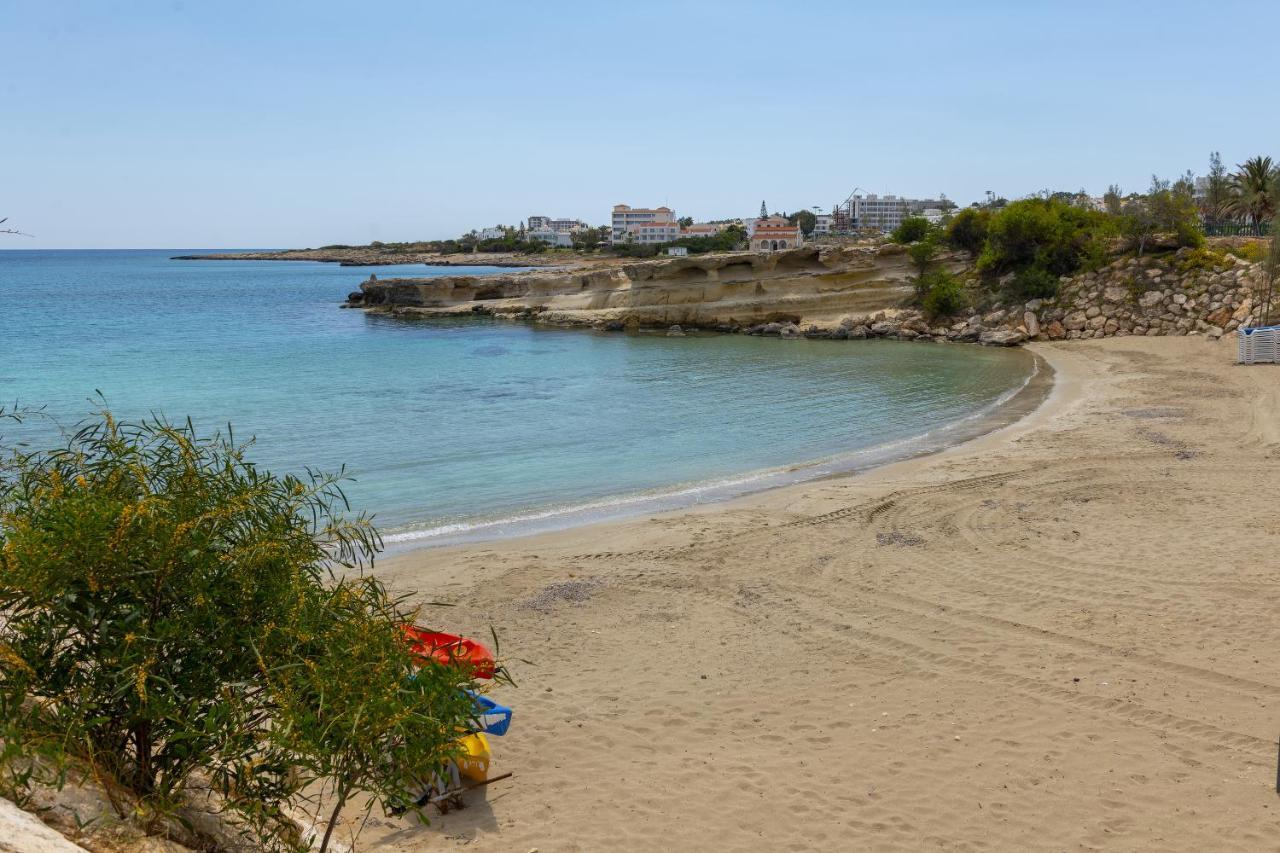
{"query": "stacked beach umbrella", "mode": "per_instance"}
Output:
(471, 768)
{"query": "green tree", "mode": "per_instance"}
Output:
(1254, 190)
(157, 587)
(1217, 197)
(586, 239)
(1167, 208)
(805, 219)
(685, 221)
(911, 229)
(923, 253)
(1036, 232)
(941, 294)
(1113, 199)
(967, 230)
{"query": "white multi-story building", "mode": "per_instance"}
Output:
(627, 222)
(547, 235)
(875, 211)
(821, 224)
(497, 232)
(560, 226)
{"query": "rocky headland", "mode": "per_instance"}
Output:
(372, 256)
(842, 292)
(725, 292)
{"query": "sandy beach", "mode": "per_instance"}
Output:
(1060, 636)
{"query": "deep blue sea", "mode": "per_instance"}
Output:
(471, 427)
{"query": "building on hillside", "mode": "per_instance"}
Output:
(917, 206)
(884, 213)
(701, 229)
(677, 251)
(555, 238)
(626, 221)
(560, 226)
(773, 234)
(497, 232)
(656, 232)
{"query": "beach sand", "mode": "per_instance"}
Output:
(1064, 635)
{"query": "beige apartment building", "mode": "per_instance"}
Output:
(628, 222)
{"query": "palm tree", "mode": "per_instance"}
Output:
(1254, 190)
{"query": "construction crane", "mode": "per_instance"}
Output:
(842, 216)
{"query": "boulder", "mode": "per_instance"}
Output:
(1075, 321)
(1032, 324)
(1115, 294)
(23, 831)
(1219, 318)
(1001, 337)
(1151, 299)
(883, 327)
(1055, 331)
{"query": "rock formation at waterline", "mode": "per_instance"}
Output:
(846, 293)
(720, 291)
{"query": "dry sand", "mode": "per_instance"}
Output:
(1062, 636)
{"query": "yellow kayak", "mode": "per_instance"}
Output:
(473, 762)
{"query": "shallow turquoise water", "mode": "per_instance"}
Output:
(448, 424)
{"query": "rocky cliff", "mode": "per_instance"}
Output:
(1185, 293)
(849, 292)
(720, 291)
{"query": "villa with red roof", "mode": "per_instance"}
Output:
(774, 234)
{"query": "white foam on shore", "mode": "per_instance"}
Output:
(616, 507)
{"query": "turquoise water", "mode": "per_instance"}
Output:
(459, 427)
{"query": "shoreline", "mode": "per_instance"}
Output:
(1063, 628)
(1006, 410)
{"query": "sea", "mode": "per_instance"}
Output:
(467, 429)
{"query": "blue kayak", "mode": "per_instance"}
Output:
(491, 718)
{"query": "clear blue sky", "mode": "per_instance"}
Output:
(221, 124)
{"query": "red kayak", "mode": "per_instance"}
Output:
(450, 649)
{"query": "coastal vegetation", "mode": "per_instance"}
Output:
(912, 229)
(176, 619)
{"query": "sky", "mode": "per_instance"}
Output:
(280, 124)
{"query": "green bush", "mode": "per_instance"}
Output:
(941, 294)
(1203, 260)
(968, 229)
(922, 254)
(1254, 251)
(912, 229)
(170, 608)
(1048, 234)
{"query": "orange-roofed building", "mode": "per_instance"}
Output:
(774, 234)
